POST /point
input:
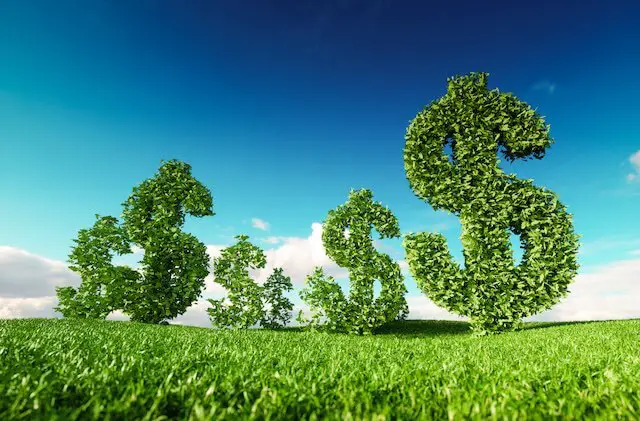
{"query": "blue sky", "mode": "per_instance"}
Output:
(282, 107)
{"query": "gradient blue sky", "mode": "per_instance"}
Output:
(281, 107)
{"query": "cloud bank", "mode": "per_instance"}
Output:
(27, 285)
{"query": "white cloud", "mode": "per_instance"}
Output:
(117, 315)
(544, 85)
(635, 161)
(420, 307)
(298, 256)
(215, 250)
(260, 224)
(610, 292)
(196, 315)
(26, 275)
(13, 308)
(404, 267)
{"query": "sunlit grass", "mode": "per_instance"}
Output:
(66, 370)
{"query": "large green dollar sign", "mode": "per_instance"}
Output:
(364, 262)
(175, 263)
(493, 292)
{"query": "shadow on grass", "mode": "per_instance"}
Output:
(428, 328)
(431, 328)
(421, 328)
(410, 328)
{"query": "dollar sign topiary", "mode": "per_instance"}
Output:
(365, 264)
(175, 263)
(104, 287)
(493, 292)
(245, 295)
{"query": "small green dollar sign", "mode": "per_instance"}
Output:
(174, 265)
(104, 287)
(365, 264)
(230, 270)
(493, 292)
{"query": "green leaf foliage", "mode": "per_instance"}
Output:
(326, 301)
(493, 292)
(174, 265)
(104, 286)
(280, 306)
(360, 313)
(243, 305)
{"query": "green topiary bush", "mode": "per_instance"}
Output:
(360, 313)
(174, 265)
(242, 307)
(104, 286)
(280, 306)
(493, 292)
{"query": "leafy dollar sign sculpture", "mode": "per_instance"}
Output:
(230, 270)
(175, 263)
(493, 292)
(365, 264)
(104, 287)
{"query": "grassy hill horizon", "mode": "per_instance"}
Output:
(414, 369)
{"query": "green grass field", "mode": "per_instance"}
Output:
(67, 370)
